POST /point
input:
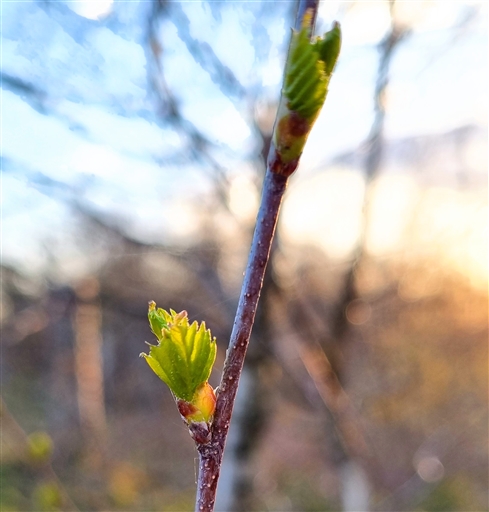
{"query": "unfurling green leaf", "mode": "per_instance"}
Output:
(305, 80)
(185, 352)
(308, 70)
(329, 48)
(183, 359)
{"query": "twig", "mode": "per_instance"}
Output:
(275, 183)
(211, 454)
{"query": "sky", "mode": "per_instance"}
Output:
(100, 138)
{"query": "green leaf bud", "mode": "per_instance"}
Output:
(183, 359)
(307, 73)
(305, 80)
(185, 352)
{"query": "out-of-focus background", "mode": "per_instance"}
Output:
(134, 139)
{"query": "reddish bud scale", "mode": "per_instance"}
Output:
(198, 413)
(186, 409)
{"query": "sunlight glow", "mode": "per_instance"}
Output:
(453, 226)
(325, 211)
(434, 15)
(92, 9)
(391, 201)
(236, 130)
(365, 23)
(183, 223)
(243, 198)
(406, 220)
(96, 160)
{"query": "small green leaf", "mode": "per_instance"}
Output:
(185, 353)
(329, 47)
(158, 318)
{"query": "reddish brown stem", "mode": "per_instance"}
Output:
(211, 453)
(275, 183)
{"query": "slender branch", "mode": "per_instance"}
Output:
(211, 454)
(275, 183)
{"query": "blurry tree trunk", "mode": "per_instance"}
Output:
(343, 432)
(355, 481)
(355, 491)
(89, 369)
(375, 147)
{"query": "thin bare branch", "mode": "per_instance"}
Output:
(275, 183)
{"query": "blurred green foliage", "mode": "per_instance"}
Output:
(47, 497)
(39, 447)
